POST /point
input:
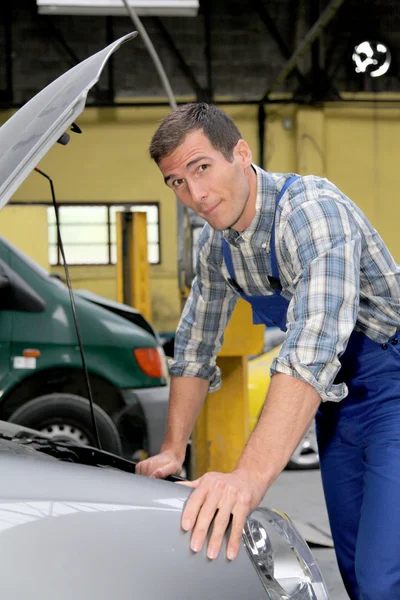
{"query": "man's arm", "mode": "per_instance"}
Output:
(187, 395)
(288, 411)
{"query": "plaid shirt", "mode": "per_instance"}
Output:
(335, 270)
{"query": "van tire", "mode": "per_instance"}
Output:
(55, 410)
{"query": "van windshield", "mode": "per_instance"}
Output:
(31, 263)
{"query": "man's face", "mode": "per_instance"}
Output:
(205, 181)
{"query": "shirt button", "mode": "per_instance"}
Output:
(264, 245)
(395, 341)
(384, 346)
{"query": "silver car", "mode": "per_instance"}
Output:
(76, 522)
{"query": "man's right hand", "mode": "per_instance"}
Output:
(160, 466)
(187, 395)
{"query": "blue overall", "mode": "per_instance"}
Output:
(359, 447)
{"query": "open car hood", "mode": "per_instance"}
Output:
(33, 129)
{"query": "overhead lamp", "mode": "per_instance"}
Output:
(373, 58)
(152, 8)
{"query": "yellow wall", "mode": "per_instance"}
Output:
(26, 228)
(355, 147)
(364, 146)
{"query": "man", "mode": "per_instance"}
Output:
(307, 259)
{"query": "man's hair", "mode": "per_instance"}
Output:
(216, 125)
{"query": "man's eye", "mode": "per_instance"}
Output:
(203, 168)
(177, 182)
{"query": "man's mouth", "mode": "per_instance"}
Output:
(209, 211)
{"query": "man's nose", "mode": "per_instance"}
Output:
(197, 191)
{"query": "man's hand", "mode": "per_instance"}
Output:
(220, 495)
(160, 466)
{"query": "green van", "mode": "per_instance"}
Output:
(42, 382)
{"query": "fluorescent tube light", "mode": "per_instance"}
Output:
(160, 8)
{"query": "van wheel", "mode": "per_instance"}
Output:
(67, 417)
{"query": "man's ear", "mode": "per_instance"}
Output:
(243, 153)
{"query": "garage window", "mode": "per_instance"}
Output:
(89, 233)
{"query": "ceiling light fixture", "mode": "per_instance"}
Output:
(153, 8)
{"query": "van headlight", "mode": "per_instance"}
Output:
(282, 558)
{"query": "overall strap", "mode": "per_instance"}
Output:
(228, 258)
(227, 251)
(274, 264)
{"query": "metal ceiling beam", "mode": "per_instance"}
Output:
(273, 30)
(134, 17)
(58, 36)
(337, 54)
(316, 46)
(335, 58)
(313, 34)
(110, 62)
(322, 87)
(184, 67)
(208, 50)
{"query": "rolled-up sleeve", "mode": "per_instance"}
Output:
(200, 332)
(323, 247)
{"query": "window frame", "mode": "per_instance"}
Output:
(108, 205)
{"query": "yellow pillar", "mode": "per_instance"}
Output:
(133, 280)
(222, 428)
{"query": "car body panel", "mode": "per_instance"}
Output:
(73, 531)
(124, 310)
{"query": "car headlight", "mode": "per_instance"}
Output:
(282, 558)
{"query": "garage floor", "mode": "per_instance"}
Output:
(300, 495)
